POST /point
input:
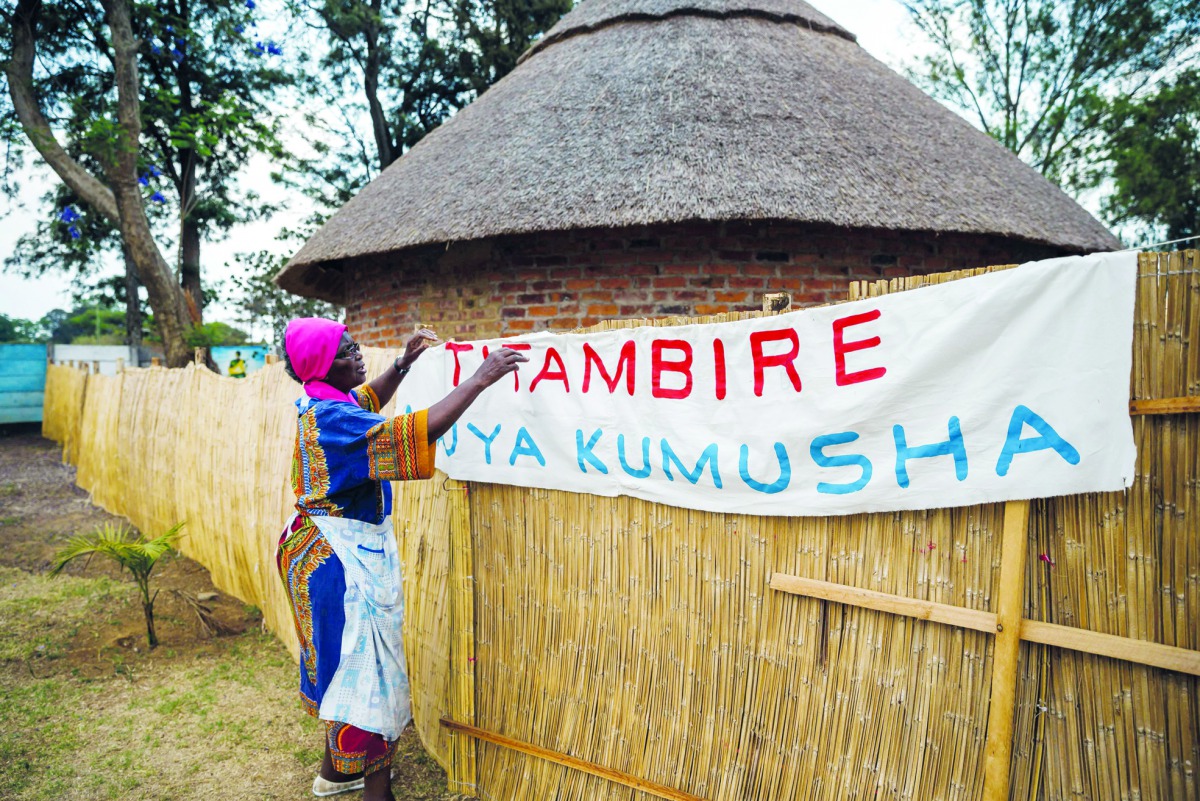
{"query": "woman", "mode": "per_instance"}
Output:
(337, 555)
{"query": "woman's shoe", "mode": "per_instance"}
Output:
(323, 787)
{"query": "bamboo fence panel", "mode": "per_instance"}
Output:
(645, 638)
(158, 446)
(63, 407)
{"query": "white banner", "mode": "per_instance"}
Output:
(1006, 386)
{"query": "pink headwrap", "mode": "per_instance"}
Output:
(312, 344)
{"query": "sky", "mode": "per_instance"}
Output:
(882, 28)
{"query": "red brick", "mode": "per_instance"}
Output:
(602, 310)
(542, 311)
(730, 297)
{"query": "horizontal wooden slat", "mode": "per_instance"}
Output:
(35, 366)
(1167, 657)
(1154, 654)
(974, 619)
(1165, 406)
(20, 414)
(23, 383)
(558, 758)
(9, 400)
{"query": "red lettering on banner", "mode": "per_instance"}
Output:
(625, 363)
(719, 368)
(659, 365)
(762, 361)
(841, 348)
(457, 348)
(546, 374)
(512, 346)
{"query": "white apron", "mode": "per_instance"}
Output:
(370, 687)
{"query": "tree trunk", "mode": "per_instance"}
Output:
(120, 200)
(172, 316)
(148, 611)
(189, 262)
(133, 309)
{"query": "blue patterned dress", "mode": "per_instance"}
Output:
(345, 456)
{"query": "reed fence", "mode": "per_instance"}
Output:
(566, 646)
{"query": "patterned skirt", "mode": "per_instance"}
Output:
(316, 585)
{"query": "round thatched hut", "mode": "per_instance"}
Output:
(659, 157)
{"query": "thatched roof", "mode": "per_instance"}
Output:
(639, 112)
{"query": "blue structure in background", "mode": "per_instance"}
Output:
(22, 383)
(252, 358)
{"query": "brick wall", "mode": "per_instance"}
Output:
(565, 280)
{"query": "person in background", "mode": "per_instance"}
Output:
(237, 365)
(337, 555)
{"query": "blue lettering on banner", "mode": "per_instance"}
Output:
(525, 446)
(779, 484)
(453, 446)
(587, 452)
(642, 471)
(1047, 439)
(709, 455)
(817, 451)
(954, 446)
(487, 441)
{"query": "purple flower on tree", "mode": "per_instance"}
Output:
(144, 179)
(68, 215)
(250, 4)
(74, 232)
(155, 171)
(273, 48)
(155, 49)
(157, 197)
(239, 28)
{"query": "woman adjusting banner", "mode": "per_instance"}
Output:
(337, 555)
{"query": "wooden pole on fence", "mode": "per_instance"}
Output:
(155, 361)
(200, 356)
(1010, 607)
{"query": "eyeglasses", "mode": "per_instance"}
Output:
(349, 351)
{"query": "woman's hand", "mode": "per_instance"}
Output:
(445, 412)
(418, 344)
(497, 365)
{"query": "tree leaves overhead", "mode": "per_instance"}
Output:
(1154, 157)
(1037, 75)
(1094, 94)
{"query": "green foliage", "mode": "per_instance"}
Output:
(1154, 152)
(1039, 75)
(259, 300)
(97, 327)
(136, 554)
(18, 330)
(206, 109)
(407, 68)
(208, 335)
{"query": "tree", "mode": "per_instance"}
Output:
(259, 300)
(1040, 76)
(411, 66)
(185, 84)
(137, 554)
(16, 329)
(1153, 149)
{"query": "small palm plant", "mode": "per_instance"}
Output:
(136, 554)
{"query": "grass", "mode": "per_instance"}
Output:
(118, 725)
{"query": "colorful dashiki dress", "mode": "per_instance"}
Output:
(341, 570)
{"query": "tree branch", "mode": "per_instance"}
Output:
(19, 71)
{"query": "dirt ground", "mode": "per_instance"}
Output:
(92, 712)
